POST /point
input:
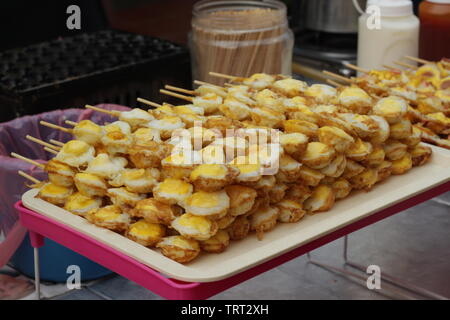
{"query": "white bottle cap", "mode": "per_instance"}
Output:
(439, 1)
(393, 8)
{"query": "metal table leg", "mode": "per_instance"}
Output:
(37, 241)
(384, 276)
(37, 274)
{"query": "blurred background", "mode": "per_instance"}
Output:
(45, 66)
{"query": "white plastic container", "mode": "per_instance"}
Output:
(388, 30)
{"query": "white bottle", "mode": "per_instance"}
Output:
(388, 30)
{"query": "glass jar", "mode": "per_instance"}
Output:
(240, 38)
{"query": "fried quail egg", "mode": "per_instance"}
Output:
(355, 99)
(110, 217)
(88, 131)
(136, 118)
(321, 93)
(365, 180)
(298, 192)
(384, 170)
(290, 211)
(216, 244)
(401, 129)
(264, 185)
(277, 193)
(76, 153)
(269, 99)
(60, 173)
(420, 154)
(241, 199)
(189, 108)
(259, 81)
(294, 144)
(359, 150)
(392, 108)
(241, 93)
(210, 204)
(394, 150)
(90, 185)
(267, 117)
(341, 188)
(309, 129)
(383, 131)
(54, 194)
(207, 88)
(209, 102)
(289, 169)
(212, 177)
(163, 111)
(289, 87)
(249, 169)
(179, 248)
(336, 167)
(172, 191)
(166, 125)
(240, 228)
(147, 153)
(117, 138)
(402, 165)
(234, 109)
(335, 137)
(222, 124)
(80, 204)
(146, 233)
(318, 155)
(139, 180)
(213, 154)
(232, 146)
(195, 227)
(352, 169)
(310, 177)
(375, 158)
(123, 198)
(180, 165)
(321, 199)
(154, 211)
(106, 166)
(263, 220)
(364, 126)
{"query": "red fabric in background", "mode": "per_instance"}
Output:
(12, 139)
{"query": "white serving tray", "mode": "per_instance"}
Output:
(249, 252)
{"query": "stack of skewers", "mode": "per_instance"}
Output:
(190, 178)
(426, 89)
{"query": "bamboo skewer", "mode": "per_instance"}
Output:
(203, 83)
(27, 176)
(334, 83)
(406, 65)
(224, 76)
(191, 92)
(50, 150)
(423, 61)
(58, 143)
(18, 156)
(42, 143)
(337, 76)
(176, 95)
(148, 102)
(389, 67)
(54, 126)
(71, 123)
(110, 112)
(352, 66)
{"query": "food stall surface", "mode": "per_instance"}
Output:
(412, 246)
